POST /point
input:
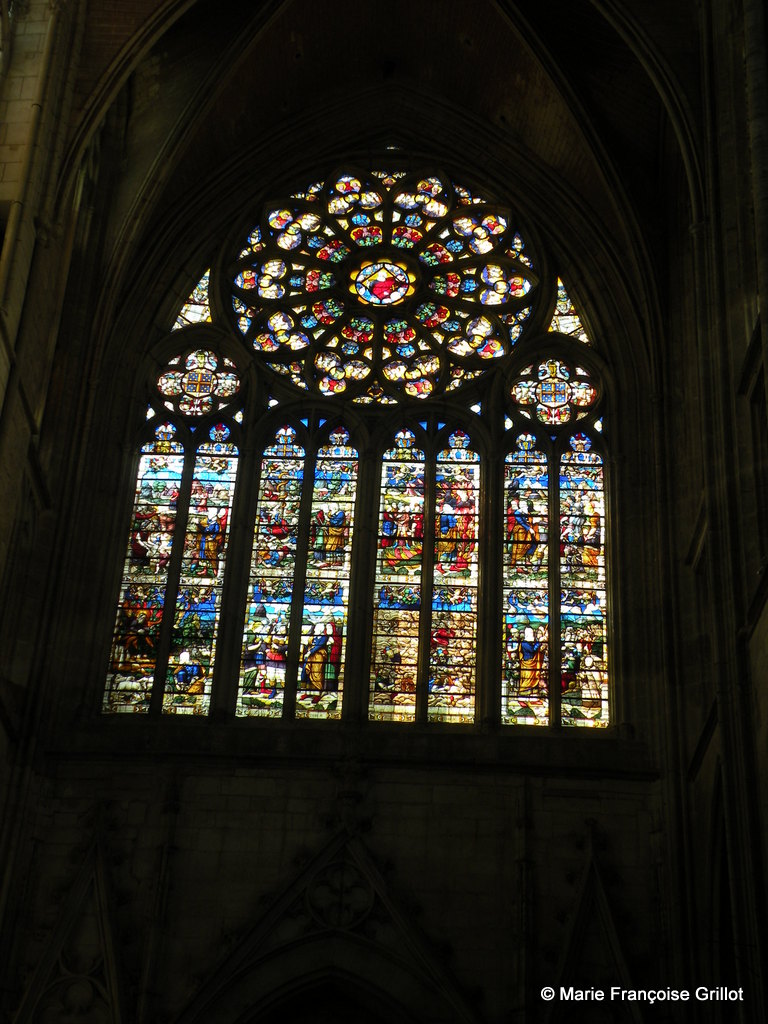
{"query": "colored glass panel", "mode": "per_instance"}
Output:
(525, 664)
(270, 586)
(492, 285)
(326, 590)
(453, 633)
(198, 602)
(583, 651)
(197, 308)
(397, 589)
(133, 659)
(565, 319)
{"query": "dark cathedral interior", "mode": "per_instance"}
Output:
(369, 664)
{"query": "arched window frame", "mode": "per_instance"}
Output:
(143, 624)
(487, 423)
(554, 441)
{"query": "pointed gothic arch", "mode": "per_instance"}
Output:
(414, 305)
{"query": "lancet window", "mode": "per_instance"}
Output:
(168, 613)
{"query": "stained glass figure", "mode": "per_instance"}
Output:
(398, 581)
(453, 629)
(270, 587)
(583, 652)
(525, 672)
(133, 659)
(565, 319)
(555, 392)
(326, 587)
(198, 601)
(382, 283)
(197, 309)
(315, 289)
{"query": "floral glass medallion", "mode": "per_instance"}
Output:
(557, 392)
(199, 383)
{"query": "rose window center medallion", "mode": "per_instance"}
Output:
(382, 283)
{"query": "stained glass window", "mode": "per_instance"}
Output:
(177, 541)
(525, 679)
(413, 612)
(582, 581)
(298, 592)
(133, 660)
(203, 560)
(453, 629)
(398, 587)
(270, 586)
(197, 308)
(326, 581)
(540, 563)
(421, 471)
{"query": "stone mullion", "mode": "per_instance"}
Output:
(427, 586)
(299, 583)
(554, 585)
(357, 669)
(234, 595)
(490, 590)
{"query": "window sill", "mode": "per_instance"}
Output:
(203, 744)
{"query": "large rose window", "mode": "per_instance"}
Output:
(383, 286)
